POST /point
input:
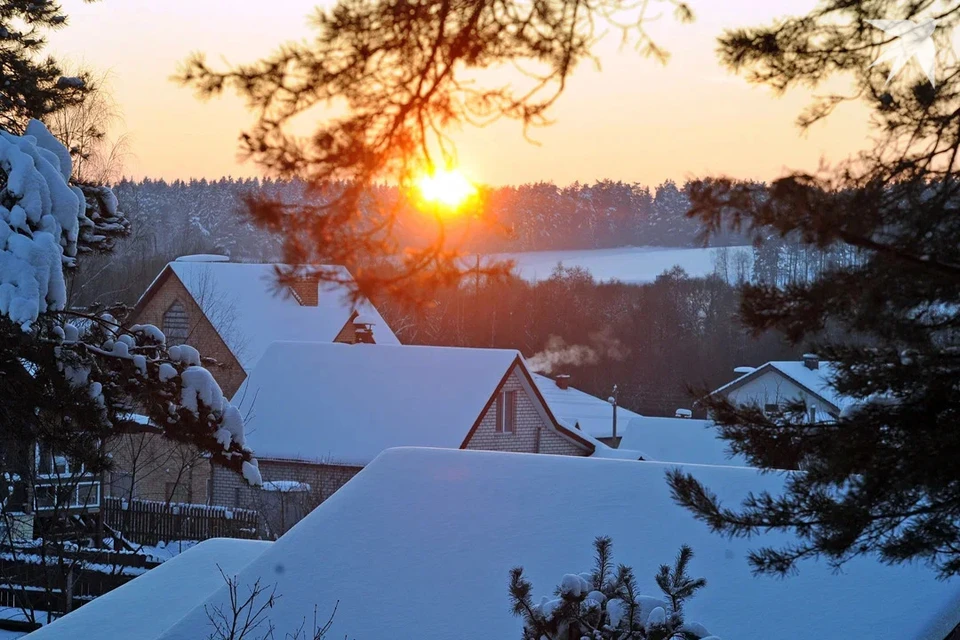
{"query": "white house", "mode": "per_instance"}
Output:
(421, 542)
(774, 383)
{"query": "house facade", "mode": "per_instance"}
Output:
(772, 384)
(317, 413)
(230, 312)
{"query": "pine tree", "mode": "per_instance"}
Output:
(606, 603)
(881, 478)
(32, 86)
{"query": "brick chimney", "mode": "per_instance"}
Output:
(563, 381)
(306, 291)
(363, 329)
(811, 361)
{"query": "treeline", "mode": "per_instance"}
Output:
(652, 341)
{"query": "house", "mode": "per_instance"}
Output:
(421, 543)
(152, 603)
(45, 489)
(316, 413)
(574, 407)
(231, 312)
(774, 383)
(677, 440)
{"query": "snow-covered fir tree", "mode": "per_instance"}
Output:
(606, 603)
(72, 377)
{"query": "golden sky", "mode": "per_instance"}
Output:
(633, 120)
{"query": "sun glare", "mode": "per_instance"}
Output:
(448, 188)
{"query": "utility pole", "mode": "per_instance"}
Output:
(613, 400)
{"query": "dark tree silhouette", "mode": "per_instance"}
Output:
(880, 478)
(406, 71)
(32, 86)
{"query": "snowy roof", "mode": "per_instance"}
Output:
(244, 304)
(347, 403)
(572, 406)
(816, 381)
(420, 543)
(678, 440)
(148, 605)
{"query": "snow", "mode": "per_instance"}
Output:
(251, 473)
(167, 371)
(200, 386)
(347, 403)
(148, 605)
(242, 302)
(286, 486)
(38, 235)
(436, 532)
(678, 440)
(634, 265)
(572, 406)
(204, 257)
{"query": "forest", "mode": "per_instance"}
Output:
(652, 341)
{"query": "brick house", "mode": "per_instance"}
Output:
(231, 312)
(317, 413)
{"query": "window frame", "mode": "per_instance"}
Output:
(506, 413)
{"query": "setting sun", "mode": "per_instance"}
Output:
(449, 188)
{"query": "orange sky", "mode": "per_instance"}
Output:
(633, 120)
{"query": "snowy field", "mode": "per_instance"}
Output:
(634, 265)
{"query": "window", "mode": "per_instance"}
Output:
(507, 412)
(50, 464)
(812, 413)
(176, 324)
(770, 408)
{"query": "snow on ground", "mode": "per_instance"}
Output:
(678, 440)
(148, 605)
(633, 265)
(419, 545)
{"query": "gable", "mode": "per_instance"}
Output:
(165, 292)
(534, 431)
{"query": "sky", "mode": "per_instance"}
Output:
(632, 120)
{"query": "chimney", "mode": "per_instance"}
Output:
(811, 361)
(363, 330)
(306, 291)
(563, 381)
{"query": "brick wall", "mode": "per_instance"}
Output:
(150, 467)
(533, 433)
(202, 335)
(231, 490)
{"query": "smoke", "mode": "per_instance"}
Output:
(558, 354)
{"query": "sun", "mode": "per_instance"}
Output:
(449, 188)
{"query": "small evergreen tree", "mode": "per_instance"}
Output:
(606, 603)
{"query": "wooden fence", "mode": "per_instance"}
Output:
(150, 522)
(27, 580)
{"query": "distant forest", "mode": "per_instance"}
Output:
(652, 341)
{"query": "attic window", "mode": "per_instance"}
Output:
(507, 412)
(176, 324)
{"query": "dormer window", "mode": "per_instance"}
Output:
(176, 324)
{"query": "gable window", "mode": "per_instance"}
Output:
(507, 412)
(176, 324)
